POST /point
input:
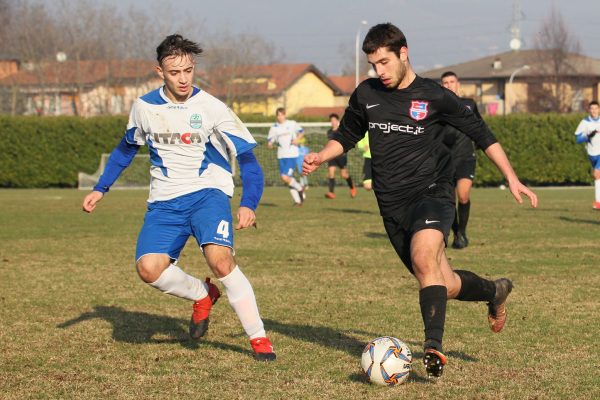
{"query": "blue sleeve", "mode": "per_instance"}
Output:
(119, 159)
(253, 181)
(581, 138)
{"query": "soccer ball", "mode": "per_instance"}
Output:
(386, 361)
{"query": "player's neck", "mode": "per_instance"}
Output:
(177, 99)
(409, 77)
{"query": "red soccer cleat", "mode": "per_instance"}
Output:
(202, 307)
(497, 308)
(596, 205)
(263, 349)
(330, 195)
(353, 191)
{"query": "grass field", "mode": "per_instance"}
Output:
(76, 322)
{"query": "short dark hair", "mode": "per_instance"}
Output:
(334, 115)
(384, 35)
(448, 73)
(593, 103)
(176, 45)
(280, 110)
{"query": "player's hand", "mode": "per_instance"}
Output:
(90, 201)
(516, 188)
(246, 218)
(311, 162)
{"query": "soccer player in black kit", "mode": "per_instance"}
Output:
(464, 161)
(405, 116)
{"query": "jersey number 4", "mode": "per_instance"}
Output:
(223, 229)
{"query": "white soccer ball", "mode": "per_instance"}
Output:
(386, 361)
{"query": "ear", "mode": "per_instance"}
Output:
(160, 72)
(404, 54)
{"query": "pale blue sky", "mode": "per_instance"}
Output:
(439, 33)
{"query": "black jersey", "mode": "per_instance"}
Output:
(405, 137)
(461, 146)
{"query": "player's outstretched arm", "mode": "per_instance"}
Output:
(498, 156)
(312, 161)
(91, 200)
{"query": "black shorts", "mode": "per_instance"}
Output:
(367, 176)
(340, 162)
(432, 211)
(464, 168)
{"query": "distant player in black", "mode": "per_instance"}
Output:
(340, 162)
(463, 157)
(412, 178)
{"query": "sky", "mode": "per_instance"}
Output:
(440, 33)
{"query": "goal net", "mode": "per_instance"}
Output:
(137, 175)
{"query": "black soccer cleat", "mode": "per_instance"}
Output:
(460, 241)
(497, 308)
(434, 362)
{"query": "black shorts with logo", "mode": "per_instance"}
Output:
(464, 168)
(433, 210)
(340, 162)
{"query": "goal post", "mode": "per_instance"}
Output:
(137, 175)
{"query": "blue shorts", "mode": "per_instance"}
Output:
(595, 160)
(205, 214)
(287, 166)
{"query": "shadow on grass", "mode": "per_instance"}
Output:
(322, 335)
(376, 235)
(139, 327)
(348, 210)
(579, 221)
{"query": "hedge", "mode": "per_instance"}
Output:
(42, 152)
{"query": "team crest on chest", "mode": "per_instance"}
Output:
(196, 121)
(418, 109)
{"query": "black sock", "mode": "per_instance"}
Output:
(455, 223)
(475, 288)
(433, 310)
(331, 184)
(463, 216)
(349, 182)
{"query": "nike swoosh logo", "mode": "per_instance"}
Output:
(371, 105)
(427, 221)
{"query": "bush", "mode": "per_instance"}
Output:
(44, 152)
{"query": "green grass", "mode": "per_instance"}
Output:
(76, 321)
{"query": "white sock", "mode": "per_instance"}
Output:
(294, 184)
(295, 195)
(241, 297)
(304, 180)
(597, 186)
(175, 282)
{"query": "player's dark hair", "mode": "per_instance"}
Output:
(176, 45)
(280, 110)
(448, 73)
(593, 103)
(384, 35)
(334, 115)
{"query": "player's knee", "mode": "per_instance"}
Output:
(367, 185)
(463, 198)
(221, 267)
(150, 267)
(424, 263)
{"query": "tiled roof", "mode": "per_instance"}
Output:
(261, 79)
(82, 73)
(507, 63)
(346, 83)
(321, 111)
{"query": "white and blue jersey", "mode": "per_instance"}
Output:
(282, 135)
(585, 127)
(191, 144)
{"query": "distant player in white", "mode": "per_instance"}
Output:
(286, 134)
(191, 137)
(587, 132)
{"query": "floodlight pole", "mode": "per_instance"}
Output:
(363, 22)
(512, 76)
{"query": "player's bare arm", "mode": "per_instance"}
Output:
(246, 218)
(312, 161)
(498, 156)
(91, 200)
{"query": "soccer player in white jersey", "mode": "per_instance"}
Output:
(191, 136)
(587, 132)
(286, 134)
